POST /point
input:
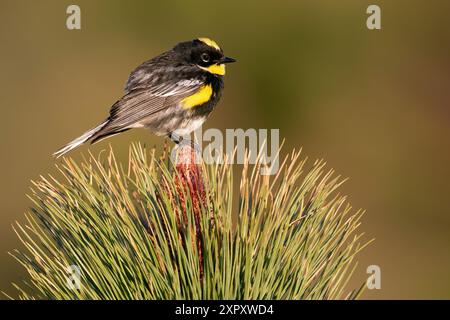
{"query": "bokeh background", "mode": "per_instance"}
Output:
(374, 104)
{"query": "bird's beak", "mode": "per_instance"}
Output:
(227, 60)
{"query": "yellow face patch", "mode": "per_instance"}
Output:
(200, 97)
(210, 43)
(216, 69)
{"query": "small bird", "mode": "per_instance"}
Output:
(171, 94)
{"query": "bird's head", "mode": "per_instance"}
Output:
(205, 54)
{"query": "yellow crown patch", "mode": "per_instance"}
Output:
(210, 43)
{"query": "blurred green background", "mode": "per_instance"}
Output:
(374, 104)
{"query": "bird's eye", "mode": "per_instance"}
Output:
(205, 57)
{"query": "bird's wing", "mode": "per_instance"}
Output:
(141, 104)
(159, 70)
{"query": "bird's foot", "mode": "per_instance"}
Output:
(180, 141)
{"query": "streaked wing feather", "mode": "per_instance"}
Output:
(141, 104)
(181, 87)
(133, 107)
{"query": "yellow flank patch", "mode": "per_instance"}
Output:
(210, 43)
(200, 97)
(216, 69)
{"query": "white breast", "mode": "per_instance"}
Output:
(189, 126)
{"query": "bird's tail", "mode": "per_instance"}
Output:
(80, 140)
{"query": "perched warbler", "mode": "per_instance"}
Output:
(171, 94)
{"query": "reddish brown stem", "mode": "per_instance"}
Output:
(190, 179)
